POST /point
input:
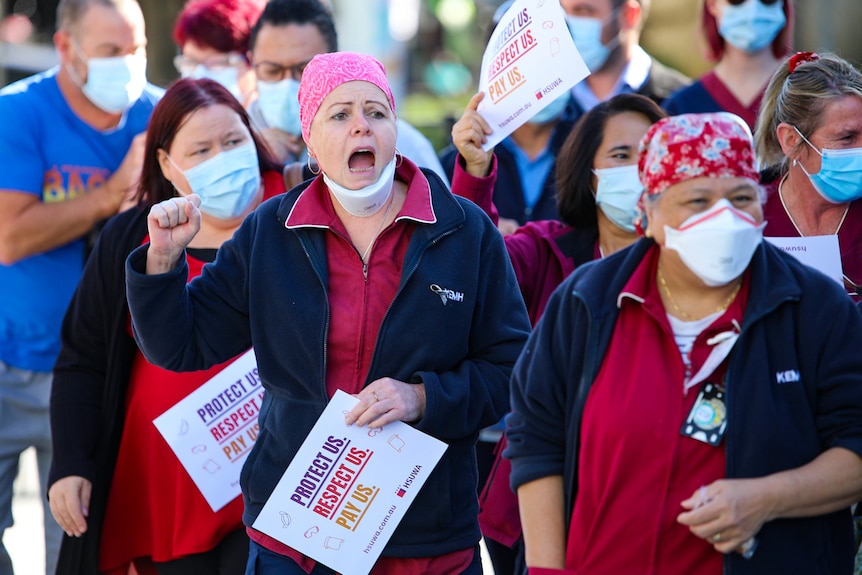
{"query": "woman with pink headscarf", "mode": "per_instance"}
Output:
(378, 282)
(692, 403)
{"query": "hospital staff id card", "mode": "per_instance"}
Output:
(530, 61)
(213, 429)
(347, 489)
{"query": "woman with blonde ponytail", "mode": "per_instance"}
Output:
(809, 143)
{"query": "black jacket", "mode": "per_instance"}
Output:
(86, 434)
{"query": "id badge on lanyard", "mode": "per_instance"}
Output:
(707, 420)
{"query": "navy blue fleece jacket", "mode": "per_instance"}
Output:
(794, 389)
(268, 288)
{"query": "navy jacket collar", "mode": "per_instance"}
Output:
(773, 280)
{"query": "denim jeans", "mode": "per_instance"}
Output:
(24, 423)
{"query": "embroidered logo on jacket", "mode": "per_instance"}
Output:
(789, 376)
(447, 295)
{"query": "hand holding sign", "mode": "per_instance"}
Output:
(469, 134)
(386, 400)
(346, 489)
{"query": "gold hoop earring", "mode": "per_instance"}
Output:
(311, 167)
(399, 158)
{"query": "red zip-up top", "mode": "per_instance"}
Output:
(635, 466)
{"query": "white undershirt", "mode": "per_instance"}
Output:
(684, 334)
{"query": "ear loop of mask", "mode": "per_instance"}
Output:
(813, 147)
(807, 141)
(174, 164)
(70, 69)
(616, 41)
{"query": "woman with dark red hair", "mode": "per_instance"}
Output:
(117, 489)
(213, 37)
(748, 39)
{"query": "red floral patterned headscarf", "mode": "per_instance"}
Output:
(689, 146)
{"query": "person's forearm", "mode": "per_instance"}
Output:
(161, 263)
(480, 167)
(32, 227)
(541, 503)
(477, 189)
(830, 482)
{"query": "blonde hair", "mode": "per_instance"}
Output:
(800, 99)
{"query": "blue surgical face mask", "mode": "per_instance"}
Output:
(227, 183)
(113, 84)
(227, 76)
(587, 34)
(279, 104)
(617, 194)
(752, 25)
(840, 177)
(552, 111)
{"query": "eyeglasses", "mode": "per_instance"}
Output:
(764, 2)
(272, 72)
(187, 65)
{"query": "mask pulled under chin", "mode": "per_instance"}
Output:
(718, 244)
(368, 200)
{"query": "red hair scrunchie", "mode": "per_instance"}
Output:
(801, 57)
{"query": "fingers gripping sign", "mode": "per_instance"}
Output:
(469, 134)
(171, 224)
(386, 400)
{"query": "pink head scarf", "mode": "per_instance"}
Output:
(325, 72)
(689, 146)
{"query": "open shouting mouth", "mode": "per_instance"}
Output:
(361, 160)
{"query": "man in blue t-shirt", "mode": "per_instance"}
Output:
(71, 140)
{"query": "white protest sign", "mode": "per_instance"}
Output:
(530, 61)
(213, 429)
(347, 489)
(819, 252)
